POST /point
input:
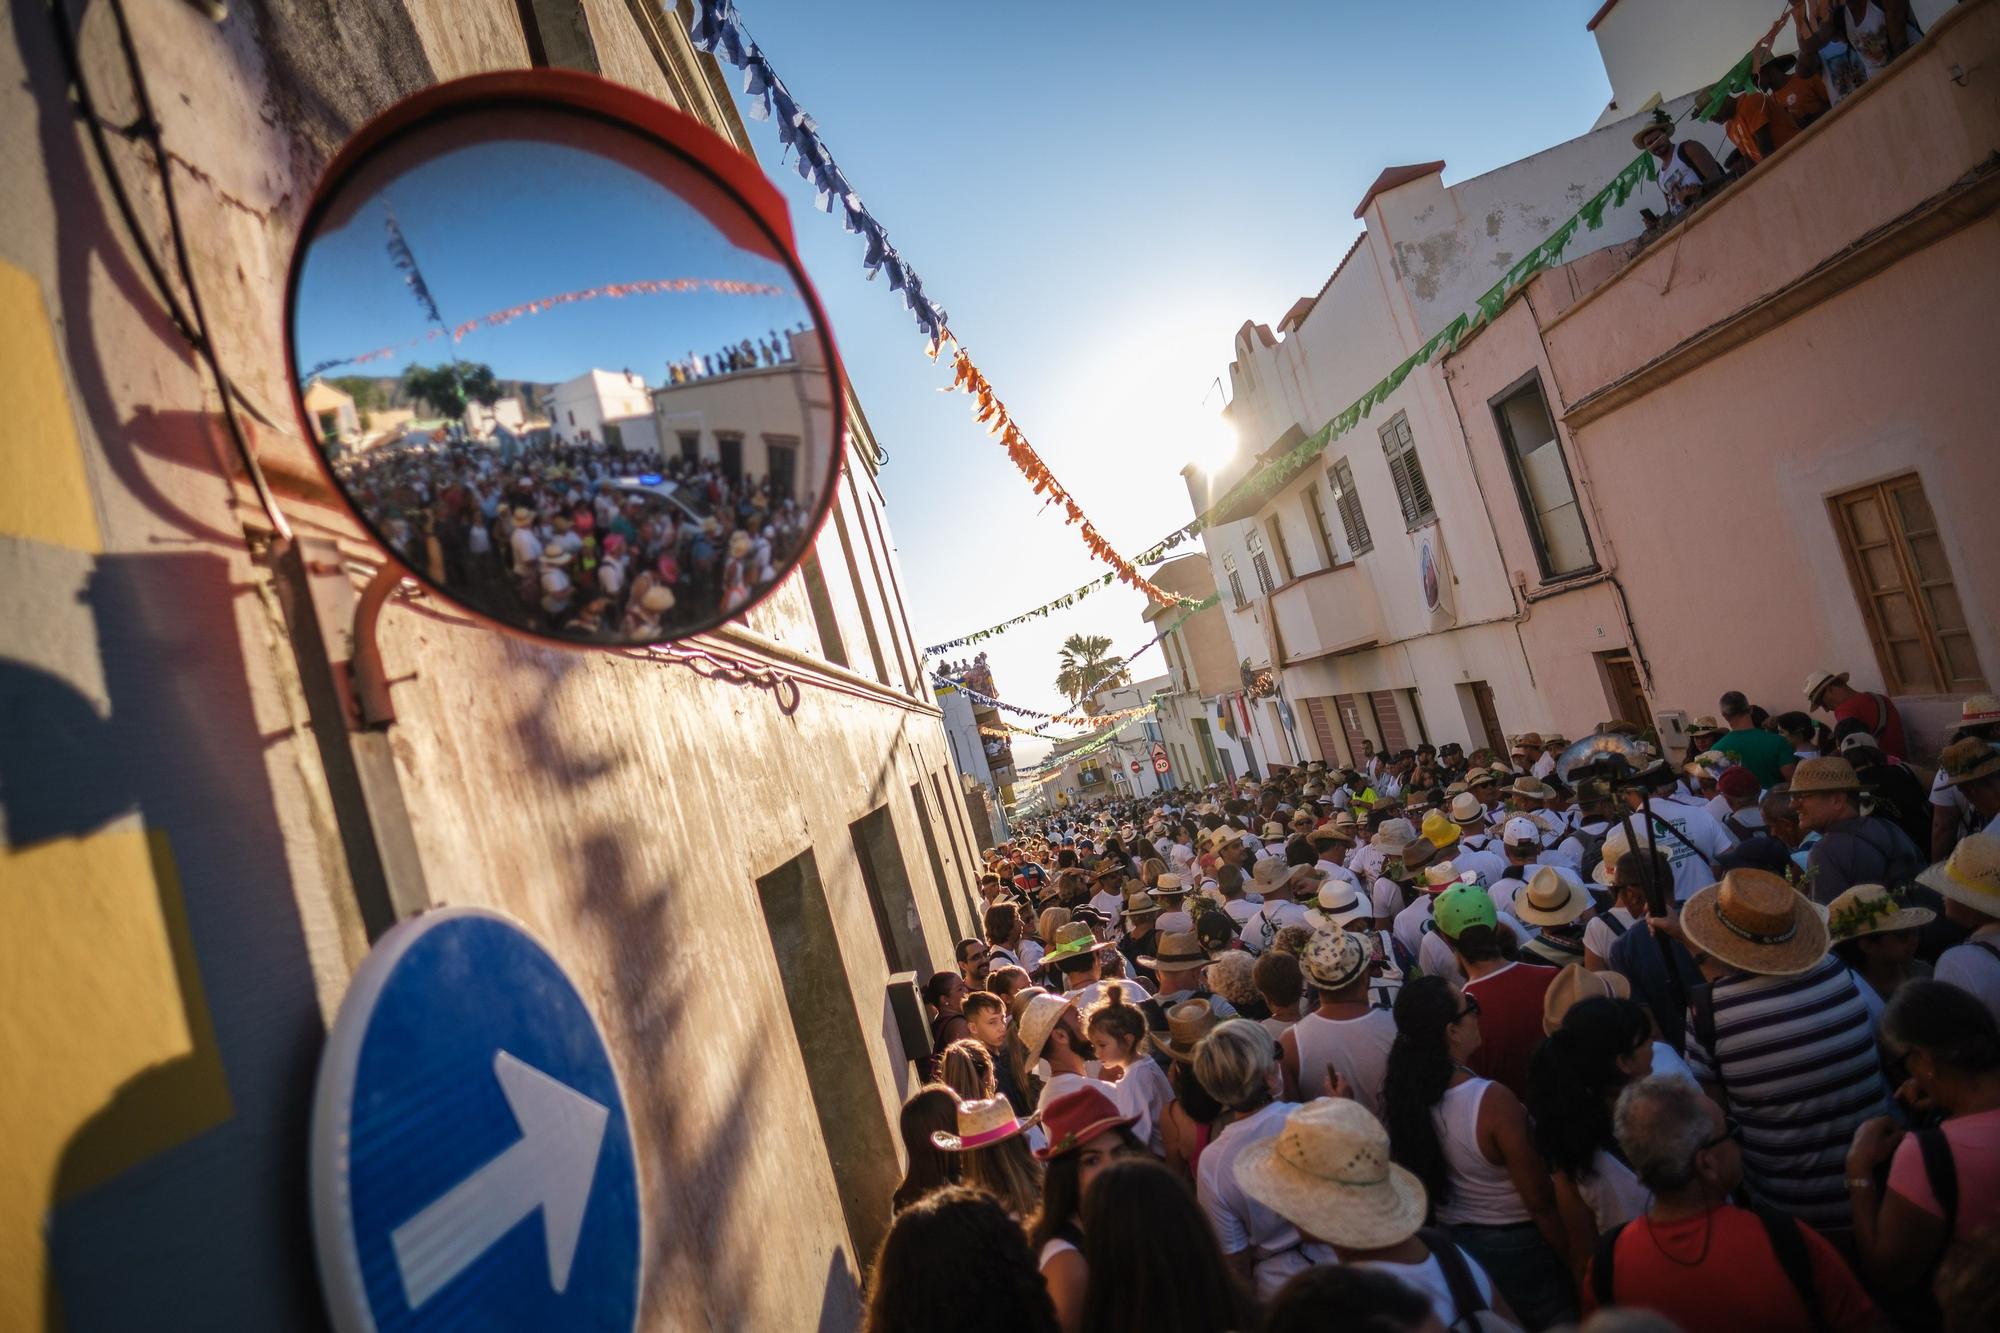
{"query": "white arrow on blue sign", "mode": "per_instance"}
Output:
(472, 1164)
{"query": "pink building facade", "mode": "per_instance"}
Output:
(1762, 442)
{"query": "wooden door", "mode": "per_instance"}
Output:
(1626, 695)
(1349, 707)
(1489, 717)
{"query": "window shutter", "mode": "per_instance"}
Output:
(1351, 516)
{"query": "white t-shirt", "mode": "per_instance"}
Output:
(1614, 1194)
(1031, 952)
(1710, 839)
(1953, 798)
(1242, 909)
(1240, 1222)
(1385, 898)
(1145, 1085)
(1111, 904)
(1335, 870)
(1598, 937)
(1408, 925)
(1544, 765)
(1428, 1278)
(1488, 864)
(1971, 968)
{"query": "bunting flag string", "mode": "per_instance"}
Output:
(716, 27)
(401, 256)
(615, 290)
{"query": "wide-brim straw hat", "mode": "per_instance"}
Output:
(1074, 940)
(1180, 951)
(1575, 984)
(1038, 1020)
(1828, 773)
(1978, 710)
(1269, 873)
(1756, 922)
(1339, 905)
(1554, 896)
(1970, 876)
(1817, 682)
(1467, 809)
(1532, 789)
(1393, 836)
(1870, 909)
(1327, 1172)
(981, 1124)
(1187, 1023)
(1169, 885)
(1967, 761)
(1418, 854)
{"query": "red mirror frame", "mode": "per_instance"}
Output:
(675, 132)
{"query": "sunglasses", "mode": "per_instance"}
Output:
(1730, 1130)
(1471, 1009)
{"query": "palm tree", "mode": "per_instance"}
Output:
(1087, 667)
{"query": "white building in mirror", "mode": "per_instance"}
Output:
(771, 420)
(582, 408)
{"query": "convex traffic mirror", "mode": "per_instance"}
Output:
(557, 352)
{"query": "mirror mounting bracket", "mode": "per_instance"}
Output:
(369, 706)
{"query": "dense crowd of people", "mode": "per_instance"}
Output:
(545, 536)
(1480, 1041)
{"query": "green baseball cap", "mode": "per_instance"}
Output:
(1461, 906)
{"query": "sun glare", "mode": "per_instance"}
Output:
(1215, 445)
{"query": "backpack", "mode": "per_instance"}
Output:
(1593, 848)
(1465, 1298)
(1788, 1243)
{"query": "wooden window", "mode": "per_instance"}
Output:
(1322, 531)
(1287, 570)
(1348, 501)
(1542, 482)
(1235, 580)
(1260, 560)
(1413, 493)
(1904, 584)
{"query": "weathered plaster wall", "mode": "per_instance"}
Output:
(177, 926)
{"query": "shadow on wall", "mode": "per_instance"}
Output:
(145, 1227)
(695, 1186)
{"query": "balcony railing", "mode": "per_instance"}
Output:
(1326, 612)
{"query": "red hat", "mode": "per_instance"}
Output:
(585, 520)
(1737, 783)
(1076, 1118)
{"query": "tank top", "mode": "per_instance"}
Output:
(1357, 1047)
(1480, 1191)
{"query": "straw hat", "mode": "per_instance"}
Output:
(1970, 875)
(1038, 1020)
(980, 1124)
(1328, 1173)
(1978, 710)
(1180, 951)
(1269, 873)
(1349, 826)
(1335, 957)
(1554, 897)
(1187, 1023)
(1393, 836)
(1828, 773)
(1575, 984)
(1705, 724)
(1441, 875)
(658, 598)
(1169, 885)
(1140, 903)
(1614, 849)
(1439, 829)
(1339, 905)
(1754, 921)
(1326, 833)
(1418, 854)
(1817, 682)
(1532, 789)
(1870, 909)
(1967, 761)
(1074, 940)
(1075, 1118)
(1467, 809)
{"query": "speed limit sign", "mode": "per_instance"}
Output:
(1159, 758)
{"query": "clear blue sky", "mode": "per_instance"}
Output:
(1100, 195)
(479, 253)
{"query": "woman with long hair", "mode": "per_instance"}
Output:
(1152, 1258)
(955, 1260)
(967, 1069)
(930, 1108)
(1574, 1079)
(1009, 1172)
(1150, 870)
(1948, 1043)
(1086, 1134)
(1466, 1138)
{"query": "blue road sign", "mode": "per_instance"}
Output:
(472, 1165)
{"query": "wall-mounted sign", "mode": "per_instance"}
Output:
(472, 1165)
(1160, 764)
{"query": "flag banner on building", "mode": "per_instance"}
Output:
(403, 259)
(1434, 577)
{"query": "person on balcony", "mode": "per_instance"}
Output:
(1687, 171)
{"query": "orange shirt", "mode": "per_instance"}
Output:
(1755, 111)
(1802, 99)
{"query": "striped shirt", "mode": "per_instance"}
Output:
(1796, 1056)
